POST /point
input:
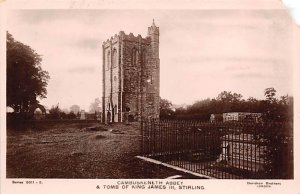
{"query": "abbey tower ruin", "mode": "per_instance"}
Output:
(131, 77)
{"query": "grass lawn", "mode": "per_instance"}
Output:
(78, 150)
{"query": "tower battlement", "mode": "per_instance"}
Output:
(127, 37)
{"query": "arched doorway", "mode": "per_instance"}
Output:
(38, 112)
(115, 113)
(108, 117)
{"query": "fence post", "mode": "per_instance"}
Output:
(142, 139)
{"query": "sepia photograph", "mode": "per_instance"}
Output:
(150, 95)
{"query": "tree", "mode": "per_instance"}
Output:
(229, 102)
(253, 105)
(284, 100)
(272, 109)
(180, 110)
(277, 110)
(165, 109)
(95, 106)
(270, 95)
(26, 80)
(71, 115)
(65, 110)
(285, 108)
(229, 97)
(55, 113)
(75, 108)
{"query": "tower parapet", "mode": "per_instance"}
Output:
(127, 37)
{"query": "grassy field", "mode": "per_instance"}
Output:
(78, 150)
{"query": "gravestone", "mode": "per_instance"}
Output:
(82, 115)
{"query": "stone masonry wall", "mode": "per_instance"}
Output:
(134, 81)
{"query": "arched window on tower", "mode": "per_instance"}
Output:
(151, 79)
(135, 57)
(116, 109)
(108, 60)
(115, 84)
(144, 59)
(114, 58)
(129, 80)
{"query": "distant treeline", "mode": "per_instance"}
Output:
(271, 107)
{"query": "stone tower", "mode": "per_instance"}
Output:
(131, 77)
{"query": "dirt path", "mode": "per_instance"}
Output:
(74, 150)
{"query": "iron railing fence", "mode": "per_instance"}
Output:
(229, 150)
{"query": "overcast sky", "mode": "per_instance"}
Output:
(202, 52)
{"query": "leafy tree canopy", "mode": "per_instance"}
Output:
(26, 80)
(270, 95)
(166, 111)
(271, 108)
(75, 109)
(95, 106)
